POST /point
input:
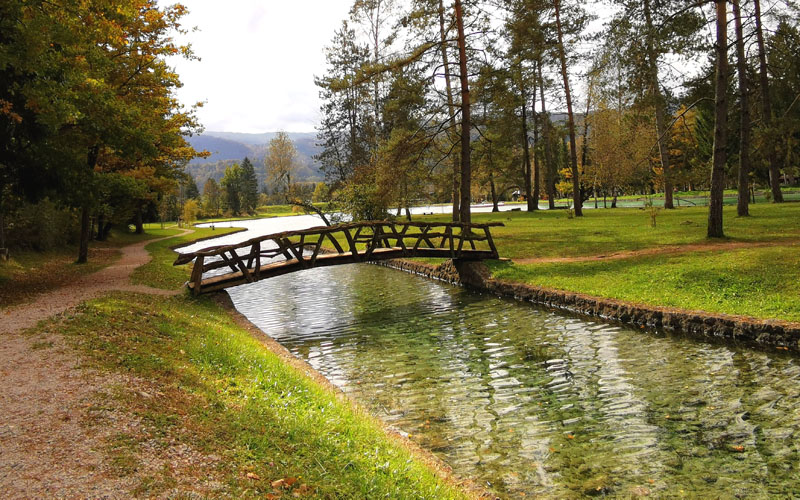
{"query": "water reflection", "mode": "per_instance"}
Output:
(538, 403)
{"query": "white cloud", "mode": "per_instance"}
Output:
(258, 62)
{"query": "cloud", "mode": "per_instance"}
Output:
(258, 62)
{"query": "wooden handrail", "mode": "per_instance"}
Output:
(185, 258)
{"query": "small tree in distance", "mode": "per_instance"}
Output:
(231, 185)
(281, 163)
(190, 210)
(321, 193)
(211, 198)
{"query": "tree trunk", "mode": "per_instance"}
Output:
(495, 207)
(573, 148)
(86, 231)
(526, 150)
(766, 110)
(466, 172)
(83, 246)
(377, 52)
(550, 182)
(100, 224)
(107, 230)
(138, 221)
(744, 117)
(451, 109)
(536, 174)
(720, 125)
(585, 145)
(658, 101)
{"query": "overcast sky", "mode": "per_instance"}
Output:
(259, 58)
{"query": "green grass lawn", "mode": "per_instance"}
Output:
(208, 384)
(264, 211)
(553, 234)
(159, 272)
(759, 282)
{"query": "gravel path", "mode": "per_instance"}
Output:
(48, 447)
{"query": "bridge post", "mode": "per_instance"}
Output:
(197, 274)
(490, 241)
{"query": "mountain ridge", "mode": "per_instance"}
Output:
(227, 148)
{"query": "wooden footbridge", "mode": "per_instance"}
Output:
(276, 254)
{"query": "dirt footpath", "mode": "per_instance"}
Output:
(54, 435)
(115, 277)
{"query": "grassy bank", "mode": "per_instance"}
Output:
(257, 425)
(762, 282)
(206, 383)
(159, 272)
(759, 282)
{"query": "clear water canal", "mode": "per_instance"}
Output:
(530, 402)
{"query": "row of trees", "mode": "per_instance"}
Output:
(238, 194)
(434, 100)
(88, 114)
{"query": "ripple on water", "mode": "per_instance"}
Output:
(534, 402)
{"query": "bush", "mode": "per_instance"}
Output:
(363, 202)
(190, 211)
(41, 226)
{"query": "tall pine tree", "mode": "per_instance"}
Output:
(248, 191)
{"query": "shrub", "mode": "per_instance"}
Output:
(41, 226)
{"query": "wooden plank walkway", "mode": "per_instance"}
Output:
(277, 254)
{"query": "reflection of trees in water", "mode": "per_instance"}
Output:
(611, 436)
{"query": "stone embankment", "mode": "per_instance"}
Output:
(772, 333)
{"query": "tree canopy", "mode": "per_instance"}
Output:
(87, 96)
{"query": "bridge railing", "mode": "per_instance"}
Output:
(249, 260)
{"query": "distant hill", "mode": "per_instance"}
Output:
(220, 149)
(227, 148)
